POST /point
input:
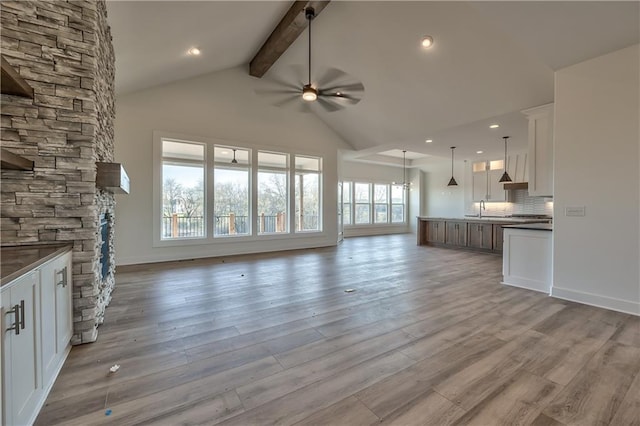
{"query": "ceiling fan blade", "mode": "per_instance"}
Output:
(352, 88)
(328, 106)
(341, 98)
(269, 92)
(294, 103)
(332, 76)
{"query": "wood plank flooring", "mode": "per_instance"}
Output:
(428, 337)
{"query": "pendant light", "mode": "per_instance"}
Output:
(309, 93)
(505, 176)
(234, 161)
(405, 184)
(452, 181)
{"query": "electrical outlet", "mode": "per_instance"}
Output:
(574, 211)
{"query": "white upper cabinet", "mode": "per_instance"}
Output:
(540, 150)
(486, 176)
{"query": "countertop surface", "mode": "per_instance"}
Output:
(531, 226)
(491, 219)
(18, 260)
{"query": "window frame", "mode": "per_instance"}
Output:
(390, 204)
(294, 175)
(226, 166)
(286, 170)
(158, 184)
(209, 188)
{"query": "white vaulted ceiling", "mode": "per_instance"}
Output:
(489, 61)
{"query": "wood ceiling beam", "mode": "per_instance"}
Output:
(292, 24)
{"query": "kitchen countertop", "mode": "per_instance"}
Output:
(18, 260)
(532, 226)
(487, 219)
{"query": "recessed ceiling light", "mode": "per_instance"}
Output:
(479, 152)
(428, 141)
(494, 126)
(427, 41)
(194, 51)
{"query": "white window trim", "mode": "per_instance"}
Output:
(390, 204)
(209, 239)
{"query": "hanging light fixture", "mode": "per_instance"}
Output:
(309, 93)
(452, 181)
(234, 161)
(505, 176)
(405, 184)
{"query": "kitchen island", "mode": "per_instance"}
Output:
(527, 260)
(469, 232)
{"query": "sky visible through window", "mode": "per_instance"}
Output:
(190, 176)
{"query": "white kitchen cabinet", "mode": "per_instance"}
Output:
(540, 150)
(527, 258)
(486, 176)
(36, 333)
(22, 386)
(56, 315)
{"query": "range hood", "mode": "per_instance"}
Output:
(516, 185)
(112, 177)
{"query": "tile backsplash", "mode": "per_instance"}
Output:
(519, 203)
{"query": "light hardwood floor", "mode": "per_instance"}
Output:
(428, 337)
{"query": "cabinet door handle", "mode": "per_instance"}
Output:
(21, 315)
(63, 279)
(16, 315)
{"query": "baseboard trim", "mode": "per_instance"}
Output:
(597, 300)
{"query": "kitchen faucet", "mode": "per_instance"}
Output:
(482, 207)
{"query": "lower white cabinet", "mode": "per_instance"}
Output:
(22, 385)
(527, 259)
(36, 334)
(56, 315)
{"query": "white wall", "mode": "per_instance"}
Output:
(596, 166)
(443, 200)
(365, 172)
(221, 105)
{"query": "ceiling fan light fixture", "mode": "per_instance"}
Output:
(194, 51)
(309, 94)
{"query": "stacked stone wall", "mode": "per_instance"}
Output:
(63, 49)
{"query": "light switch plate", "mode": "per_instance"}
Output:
(574, 211)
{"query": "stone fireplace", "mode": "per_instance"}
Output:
(63, 49)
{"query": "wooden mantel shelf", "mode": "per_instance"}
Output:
(11, 161)
(12, 83)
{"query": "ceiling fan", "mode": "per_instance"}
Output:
(334, 90)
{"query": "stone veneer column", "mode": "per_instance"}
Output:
(64, 51)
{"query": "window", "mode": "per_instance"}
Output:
(373, 203)
(206, 190)
(346, 203)
(231, 191)
(272, 193)
(362, 198)
(380, 203)
(307, 193)
(397, 204)
(182, 190)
